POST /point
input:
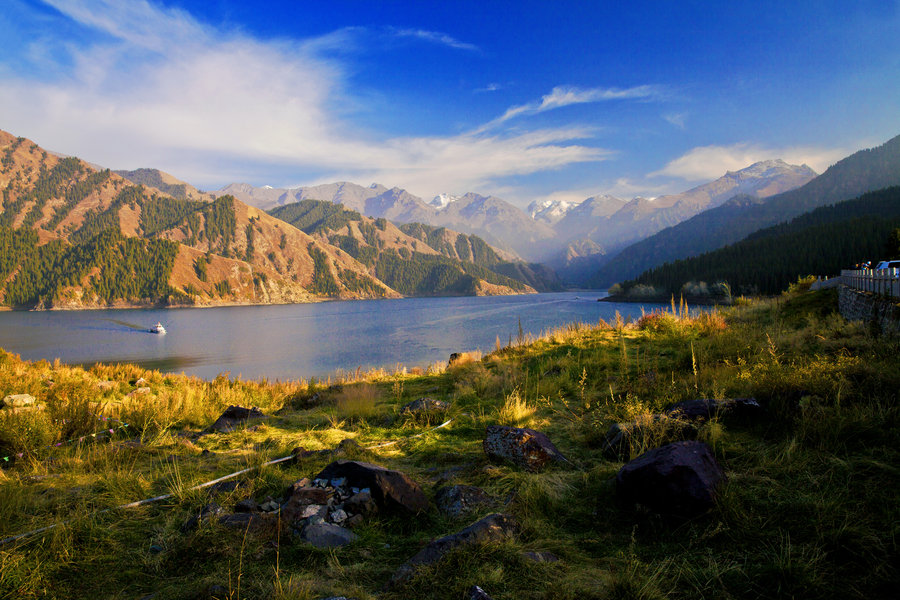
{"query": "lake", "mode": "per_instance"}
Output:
(290, 342)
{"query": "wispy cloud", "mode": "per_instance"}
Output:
(711, 162)
(567, 95)
(676, 119)
(491, 87)
(435, 37)
(161, 89)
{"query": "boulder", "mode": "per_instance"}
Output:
(679, 479)
(425, 406)
(248, 505)
(493, 528)
(19, 400)
(526, 448)
(326, 535)
(648, 432)
(459, 500)
(235, 417)
(703, 409)
(392, 491)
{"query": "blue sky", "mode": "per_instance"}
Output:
(525, 100)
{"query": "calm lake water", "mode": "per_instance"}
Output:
(299, 340)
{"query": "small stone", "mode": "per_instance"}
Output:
(154, 549)
(459, 500)
(141, 382)
(19, 400)
(314, 510)
(354, 521)
(206, 514)
(141, 391)
(234, 417)
(338, 516)
(270, 506)
(361, 504)
(476, 593)
(425, 405)
(339, 482)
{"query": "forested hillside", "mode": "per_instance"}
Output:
(821, 242)
(863, 171)
(412, 258)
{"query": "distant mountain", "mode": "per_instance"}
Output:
(73, 236)
(864, 171)
(820, 242)
(500, 224)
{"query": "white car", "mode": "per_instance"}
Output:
(888, 264)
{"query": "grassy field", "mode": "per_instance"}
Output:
(810, 508)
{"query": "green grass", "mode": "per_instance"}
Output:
(809, 509)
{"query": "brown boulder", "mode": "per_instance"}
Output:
(527, 448)
(679, 479)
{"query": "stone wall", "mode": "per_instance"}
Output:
(863, 306)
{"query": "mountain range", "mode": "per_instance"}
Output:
(76, 236)
(733, 220)
(573, 238)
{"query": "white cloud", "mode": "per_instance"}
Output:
(435, 37)
(676, 119)
(711, 162)
(566, 95)
(161, 89)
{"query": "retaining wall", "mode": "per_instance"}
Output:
(864, 306)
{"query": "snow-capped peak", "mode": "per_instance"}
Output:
(267, 187)
(550, 211)
(442, 201)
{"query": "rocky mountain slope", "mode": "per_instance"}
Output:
(73, 236)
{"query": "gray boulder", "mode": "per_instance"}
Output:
(391, 491)
(425, 406)
(459, 500)
(526, 448)
(476, 593)
(327, 535)
(679, 479)
(493, 528)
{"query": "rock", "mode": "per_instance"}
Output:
(294, 508)
(141, 382)
(492, 528)
(702, 409)
(348, 447)
(541, 556)
(314, 510)
(678, 479)
(269, 506)
(361, 503)
(354, 521)
(476, 593)
(526, 448)
(141, 391)
(391, 490)
(247, 505)
(235, 417)
(19, 400)
(425, 406)
(107, 385)
(460, 500)
(338, 516)
(326, 535)
(652, 431)
(205, 515)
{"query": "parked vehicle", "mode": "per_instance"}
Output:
(888, 264)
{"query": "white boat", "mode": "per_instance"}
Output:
(158, 328)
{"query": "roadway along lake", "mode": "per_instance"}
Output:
(299, 340)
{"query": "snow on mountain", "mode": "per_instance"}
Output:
(550, 211)
(442, 201)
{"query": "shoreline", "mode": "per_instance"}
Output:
(690, 300)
